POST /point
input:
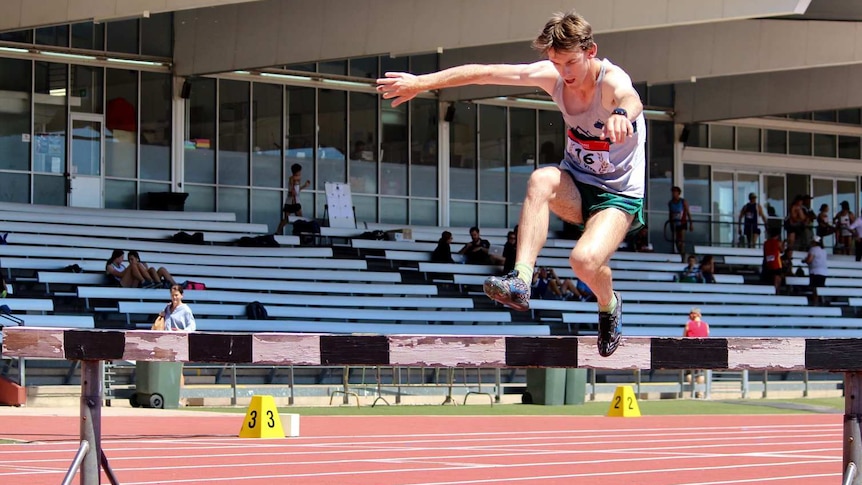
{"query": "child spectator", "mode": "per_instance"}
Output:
(691, 273)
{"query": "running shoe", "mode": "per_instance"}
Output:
(610, 329)
(509, 290)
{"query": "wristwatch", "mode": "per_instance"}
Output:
(620, 111)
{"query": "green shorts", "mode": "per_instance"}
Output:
(595, 199)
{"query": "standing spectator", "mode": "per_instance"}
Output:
(443, 252)
(856, 227)
(152, 276)
(771, 270)
(476, 251)
(691, 273)
(178, 317)
(817, 268)
(292, 206)
(510, 250)
(696, 327)
(796, 221)
(679, 217)
(748, 219)
(842, 221)
(824, 227)
(707, 269)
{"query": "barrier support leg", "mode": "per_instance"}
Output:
(852, 430)
(91, 421)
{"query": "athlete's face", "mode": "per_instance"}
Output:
(573, 66)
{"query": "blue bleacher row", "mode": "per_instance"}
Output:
(373, 286)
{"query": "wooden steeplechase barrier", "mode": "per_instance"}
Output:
(92, 346)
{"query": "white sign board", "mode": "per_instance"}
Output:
(339, 205)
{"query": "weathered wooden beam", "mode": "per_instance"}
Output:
(837, 355)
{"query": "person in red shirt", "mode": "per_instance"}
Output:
(695, 327)
(772, 250)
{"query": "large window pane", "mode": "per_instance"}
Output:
(748, 139)
(696, 136)
(49, 120)
(365, 207)
(848, 147)
(393, 211)
(492, 153)
(147, 187)
(552, 133)
(86, 95)
(15, 77)
(120, 194)
(660, 177)
(157, 35)
(333, 137)
(492, 215)
(26, 37)
(696, 190)
(15, 187)
(123, 36)
(799, 143)
(721, 137)
(49, 190)
(301, 129)
(522, 139)
(824, 146)
(121, 120)
(851, 116)
(266, 128)
(393, 145)
(57, 35)
(423, 141)
(776, 141)
(462, 163)
(200, 139)
(234, 200)
(156, 126)
(423, 64)
(201, 198)
(363, 140)
(364, 67)
(266, 208)
(423, 212)
(333, 67)
(233, 136)
(87, 35)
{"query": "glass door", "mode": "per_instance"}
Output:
(86, 160)
(774, 203)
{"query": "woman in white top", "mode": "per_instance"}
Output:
(178, 316)
(844, 235)
(817, 267)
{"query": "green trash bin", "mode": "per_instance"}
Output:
(576, 386)
(546, 386)
(157, 384)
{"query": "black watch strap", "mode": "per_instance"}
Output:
(620, 111)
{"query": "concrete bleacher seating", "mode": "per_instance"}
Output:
(221, 325)
(134, 222)
(28, 304)
(87, 212)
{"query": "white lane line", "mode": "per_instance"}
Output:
(770, 479)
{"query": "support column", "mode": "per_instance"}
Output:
(91, 421)
(852, 428)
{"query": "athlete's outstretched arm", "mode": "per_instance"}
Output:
(401, 87)
(617, 87)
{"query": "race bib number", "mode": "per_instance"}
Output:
(589, 155)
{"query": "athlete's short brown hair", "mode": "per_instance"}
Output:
(565, 32)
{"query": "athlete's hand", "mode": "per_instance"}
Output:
(617, 128)
(400, 87)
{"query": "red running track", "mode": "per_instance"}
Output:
(198, 448)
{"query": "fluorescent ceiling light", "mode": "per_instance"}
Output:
(57, 92)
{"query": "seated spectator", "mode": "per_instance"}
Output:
(443, 252)
(691, 273)
(477, 250)
(126, 277)
(641, 242)
(546, 285)
(696, 327)
(787, 261)
(817, 268)
(3, 288)
(584, 292)
(707, 269)
(152, 277)
(510, 250)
